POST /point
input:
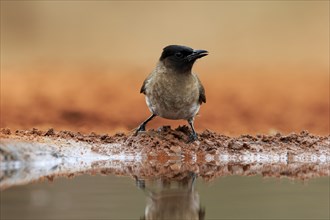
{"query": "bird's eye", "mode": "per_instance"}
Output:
(178, 54)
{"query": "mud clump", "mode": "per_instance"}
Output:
(50, 132)
(5, 131)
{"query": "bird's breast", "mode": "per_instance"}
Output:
(173, 97)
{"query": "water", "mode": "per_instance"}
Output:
(114, 197)
(65, 179)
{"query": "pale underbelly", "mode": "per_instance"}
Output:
(175, 111)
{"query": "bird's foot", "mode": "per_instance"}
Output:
(142, 127)
(192, 138)
(193, 175)
(139, 183)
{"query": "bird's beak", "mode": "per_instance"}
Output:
(197, 54)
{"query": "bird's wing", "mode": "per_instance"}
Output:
(202, 97)
(143, 87)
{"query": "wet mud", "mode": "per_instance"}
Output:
(176, 141)
(172, 142)
(162, 153)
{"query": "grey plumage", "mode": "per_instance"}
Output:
(172, 91)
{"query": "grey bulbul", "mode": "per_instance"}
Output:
(172, 90)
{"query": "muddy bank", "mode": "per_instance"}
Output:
(32, 155)
(166, 142)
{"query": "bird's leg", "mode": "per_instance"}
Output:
(193, 176)
(193, 137)
(142, 126)
(140, 183)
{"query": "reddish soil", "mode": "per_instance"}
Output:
(103, 102)
(166, 143)
(166, 154)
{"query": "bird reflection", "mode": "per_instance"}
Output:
(172, 199)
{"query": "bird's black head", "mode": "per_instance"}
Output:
(181, 58)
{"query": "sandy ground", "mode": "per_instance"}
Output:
(93, 99)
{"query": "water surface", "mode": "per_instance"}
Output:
(112, 197)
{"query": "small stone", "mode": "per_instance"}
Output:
(104, 136)
(246, 146)
(278, 134)
(304, 133)
(165, 128)
(212, 151)
(209, 158)
(50, 132)
(153, 154)
(175, 167)
(120, 134)
(235, 146)
(6, 131)
(175, 149)
(208, 142)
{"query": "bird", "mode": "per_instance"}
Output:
(172, 90)
(175, 198)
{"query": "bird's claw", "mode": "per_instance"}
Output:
(192, 138)
(139, 183)
(140, 128)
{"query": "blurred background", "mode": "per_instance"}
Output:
(79, 65)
